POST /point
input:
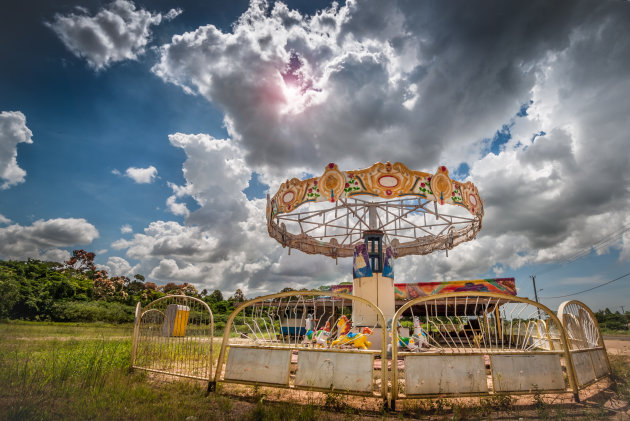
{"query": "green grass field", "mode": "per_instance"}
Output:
(81, 371)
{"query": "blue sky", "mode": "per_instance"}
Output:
(528, 101)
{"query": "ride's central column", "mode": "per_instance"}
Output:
(373, 280)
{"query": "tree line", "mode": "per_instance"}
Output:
(613, 321)
(76, 290)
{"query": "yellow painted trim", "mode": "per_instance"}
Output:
(498, 352)
(293, 387)
(170, 373)
(481, 394)
(295, 348)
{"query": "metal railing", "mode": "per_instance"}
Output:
(469, 344)
(302, 340)
(173, 335)
(461, 344)
(586, 343)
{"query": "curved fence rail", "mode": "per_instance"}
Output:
(586, 343)
(467, 344)
(173, 335)
(458, 344)
(304, 340)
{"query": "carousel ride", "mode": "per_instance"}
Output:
(463, 338)
(386, 200)
(374, 215)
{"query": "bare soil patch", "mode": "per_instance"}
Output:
(618, 346)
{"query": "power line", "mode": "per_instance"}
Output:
(590, 289)
(603, 243)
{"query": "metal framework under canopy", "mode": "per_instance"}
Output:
(410, 226)
(417, 212)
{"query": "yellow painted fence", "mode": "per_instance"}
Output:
(447, 345)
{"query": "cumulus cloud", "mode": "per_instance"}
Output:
(115, 33)
(44, 239)
(625, 250)
(175, 207)
(298, 91)
(4, 220)
(13, 130)
(117, 266)
(223, 244)
(417, 82)
(140, 175)
(126, 229)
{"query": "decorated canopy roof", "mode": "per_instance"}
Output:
(410, 291)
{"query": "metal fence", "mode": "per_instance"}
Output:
(459, 344)
(469, 344)
(173, 335)
(304, 340)
(586, 343)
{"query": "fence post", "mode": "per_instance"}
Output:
(136, 331)
(573, 383)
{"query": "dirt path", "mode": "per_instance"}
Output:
(618, 346)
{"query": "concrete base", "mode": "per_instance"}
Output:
(378, 290)
(376, 338)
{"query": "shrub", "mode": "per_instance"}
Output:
(92, 311)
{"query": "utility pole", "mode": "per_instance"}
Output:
(535, 293)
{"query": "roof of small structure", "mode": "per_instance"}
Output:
(410, 291)
(434, 307)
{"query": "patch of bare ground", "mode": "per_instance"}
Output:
(604, 400)
(618, 346)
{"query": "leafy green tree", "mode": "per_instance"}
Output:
(612, 321)
(10, 293)
(135, 287)
(238, 296)
(216, 296)
(222, 307)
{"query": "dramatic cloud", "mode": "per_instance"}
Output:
(117, 32)
(142, 175)
(298, 90)
(531, 97)
(224, 244)
(13, 130)
(45, 238)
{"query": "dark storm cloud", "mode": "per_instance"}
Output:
(473, 66)
(425, 83)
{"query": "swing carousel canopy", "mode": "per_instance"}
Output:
(400, 203)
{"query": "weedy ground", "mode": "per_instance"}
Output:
(51, 371)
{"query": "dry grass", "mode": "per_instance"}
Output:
(80, 371)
